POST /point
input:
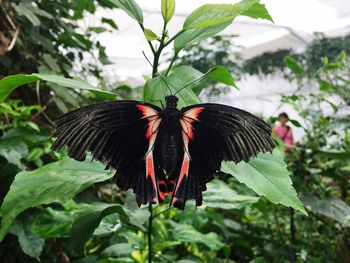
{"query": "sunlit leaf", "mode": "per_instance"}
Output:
(156, 89)
(268, 176)
(131, 8)
(222, 75)
(216, 14)
(219, 195)
(257, 11)
(10, 83)
(168, 9)
(150, 35)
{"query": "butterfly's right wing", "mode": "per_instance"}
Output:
(121, 134)
(211, 134)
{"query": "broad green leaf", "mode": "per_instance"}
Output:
(10, 83)
(75, 84)
(293, 65)
(257, 11)
(216, 14)
(268, 176)
(330, 207)
(86, 221)
(168, 9)
(188, 234)
(131, 8)
(117, 250)
(219, 195)
(13, 150)
(222, 75)
(55, 182)
(53, 223)
(150, 35)
(156, 89)
(30, 244)
(191, 36)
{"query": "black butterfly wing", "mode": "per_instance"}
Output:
(213, 133)
(120, 134)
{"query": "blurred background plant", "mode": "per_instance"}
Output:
(79, 215)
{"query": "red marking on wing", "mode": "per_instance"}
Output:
(162, 189)
(152, 117)
(184, 167)
(186, 121)
(188, 118)
(154, 120)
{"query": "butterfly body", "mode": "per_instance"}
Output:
(158, 152)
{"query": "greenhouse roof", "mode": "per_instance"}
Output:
(295, 21)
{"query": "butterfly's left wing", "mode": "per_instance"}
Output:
(120, 134)
(213, 133)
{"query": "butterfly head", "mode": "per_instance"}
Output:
(171, 101)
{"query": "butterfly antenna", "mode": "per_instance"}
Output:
(161, 77)
(197, 79)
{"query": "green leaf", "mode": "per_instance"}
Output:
(53, 223)
(117, 250)
(30, 244)
(10, 83)
(188, 234)
(293, 65)
(13, 150)
(331, 207)
(26, 10)
(55, 182)
(131, 8)
(155, 89)
(168, 9)
(216, 14)
(86, 221)
(75, 83)
(268, 176)
(191, 36)
(335, 155)
(219, 195)
(296, 123)
(222, 75)
(109, 22)
(150, 35)
(258, 11)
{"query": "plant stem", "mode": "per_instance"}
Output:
(171, 63)
(150, 222)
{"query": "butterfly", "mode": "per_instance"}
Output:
(163, 151)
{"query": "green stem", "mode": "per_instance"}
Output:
(149, 42)
(171, 63)
(150, 226)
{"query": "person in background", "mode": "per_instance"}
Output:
(284, 132)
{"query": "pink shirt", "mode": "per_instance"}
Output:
(286, 137)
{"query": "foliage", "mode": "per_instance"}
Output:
(311, 59)
(215, 51)
(56, 209)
